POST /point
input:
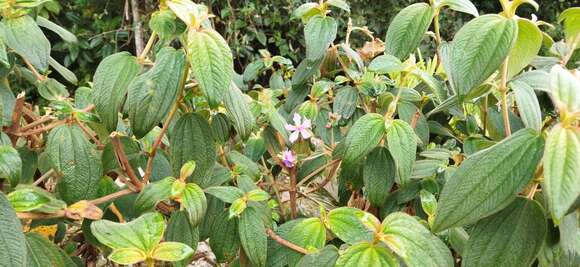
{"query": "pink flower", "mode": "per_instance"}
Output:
(289, 159)
(299, 128)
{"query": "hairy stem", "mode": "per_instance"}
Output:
(292, 193)
(504, 104)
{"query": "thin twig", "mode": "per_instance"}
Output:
(124, 162)
(292, 193)
(16, 116)
(44, 177)
(315, 172)
(285, 242)
(326, 180)
(36, 123)
(113, 196)
(41, 130)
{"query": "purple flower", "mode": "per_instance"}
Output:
(299, 128)
(289, 159)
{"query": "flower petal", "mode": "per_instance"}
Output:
(306, 124)
(305, 133)
(294, 136)
(290, 127)
(297, 119)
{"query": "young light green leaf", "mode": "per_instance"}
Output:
(464, 6)
(498, 239)
(27, 200)
(407, 29)
(187, 169)
(416, 245)
(477, 51)
(472, 192)
(561, 170)
(13, 247)
(253, 237)
(306, 10)
(257, 195)
(571, 19)
(152, 194)
(143, 233)
(363, 136)
(565, 89)
(171, 251)
(238, 110)
(352, 225)
(386, 63)
(211, 63)
(111, 80)
(195, 203)
(191, 139)
(526, 47)
(226, 194)
(127, 256)
(152, 94)
(366, 254)
(379, 172)
(76, 158)
(528, 104)
(319, 32)
(10, 164)
(310, 234)
(402, 141)
(238, 206)
(24, 36)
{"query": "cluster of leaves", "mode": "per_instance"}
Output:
(385, 155)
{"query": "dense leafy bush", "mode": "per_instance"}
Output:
(369, 152)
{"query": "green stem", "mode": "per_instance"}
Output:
(504, 105)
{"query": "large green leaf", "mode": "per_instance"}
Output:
(319, 33)
(72, 155)
(368, 255)
(143, 233)
(191, 139)
(565, 89)
(402, 142)
(238, 110)
(10, 164)
(226, 194)
(253, 237)
(24, 36)
(379, 172)
(310, 234)
(477, 51)
(407, 29)
(42, 252)
(12, 240)
(416, 245)
(325, 257)
(152, 94)
(179, 229)
(224, 237)
(562, 170)
(345, 102)
(211, 63)
(195, 203)
(489, 180)
(512, 237)
(385, 64)
(352, 225)
(526, 47)
(152, 194)
(363, 136)
(111, 80)
(528, 104)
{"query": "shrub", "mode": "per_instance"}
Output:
(380, 154)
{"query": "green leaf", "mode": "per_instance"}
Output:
(179, 229)
(402, 141)
(13, 242)
(571, 18)
(191, 139)
(24, 36)
(27, 200)
(309, 234)
(171, 251)
(152, 94)
(226, 194)
(363, 136)
(352, 225)
(63, 71)
(306, 10)
(143, 233)
(407, 29)
(489, 180)
(416, 245)
(342, 4)
(51, 89)
(238, 110)
(561, 170)
(512, 237)
(319, 32)
(477, 51)
(195, 203)
(76, 158)
(366, 254)
(10, 164)
(386, 63)
(464, 6)
(63, 33)
(325, 257)
(111, 80)
(565, 89)
(211, 63)
(253, 237)
(224, 238)
(127, 256)
(42, 252)
(187, 169)
(257, 195)
(345, 102)
(526, 47)
(528, 104)
(237, 207)
(152, 194)
(379, 173)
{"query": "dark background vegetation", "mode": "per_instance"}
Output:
(106, 26)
